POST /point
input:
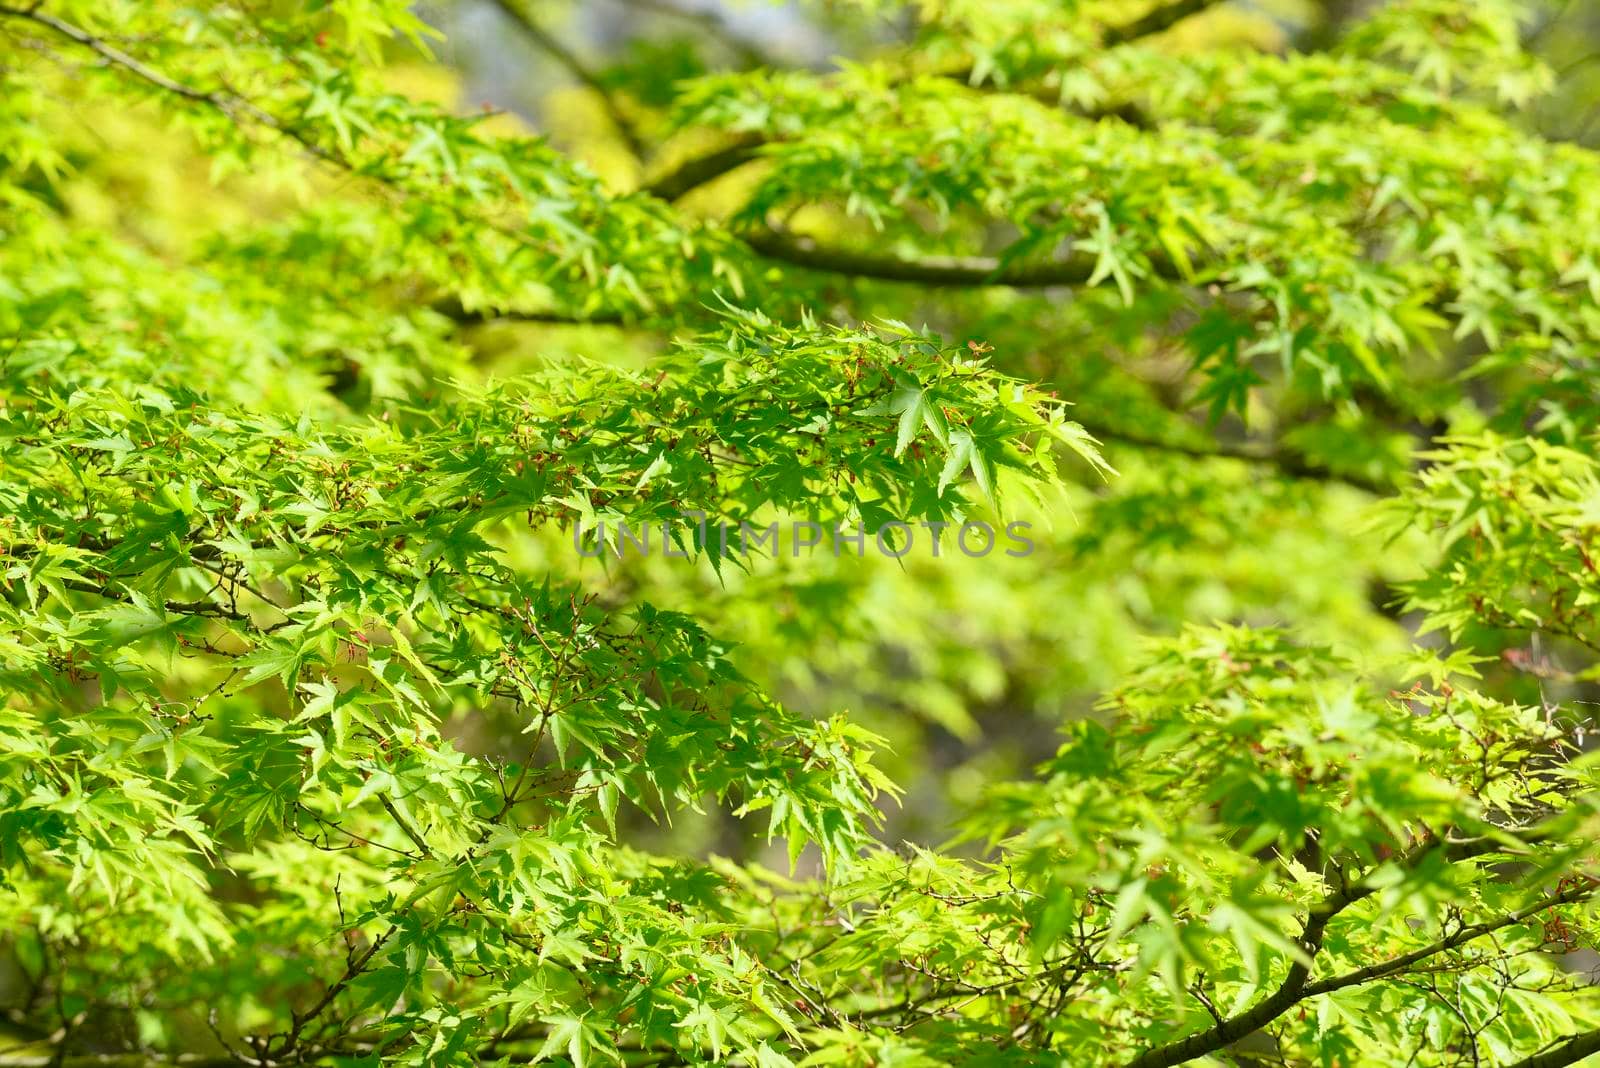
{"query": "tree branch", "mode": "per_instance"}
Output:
(563, 55)
(962, 271)
(693, 173)
(1291, 464)
(229, 104)
(1157, 20)
(182, 608)
(1461, 937)
(702, 169)
(405, 825)
(354, 967)
(959, 271)
(712, 20)
(120, 1060)
(1294, 986)
(1268, 1009)
(452, 308)
(1570, 1051)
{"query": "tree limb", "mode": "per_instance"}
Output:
(229, 104)
(712, 20)
(1291, 464)
(1157, 20)
(1263, 1012)
(1461, 937)
(551, 44)
(1293, 989)
(693, 173)
(452, 308)
(702, 169)
(1570, 1051)
(958, 271)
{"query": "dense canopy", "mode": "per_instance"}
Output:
(349, 715)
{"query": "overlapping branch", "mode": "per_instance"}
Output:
(549, 43)
(700, 170)
(1296, 987)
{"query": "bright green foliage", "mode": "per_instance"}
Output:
(331, 732)
(1519, 522)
